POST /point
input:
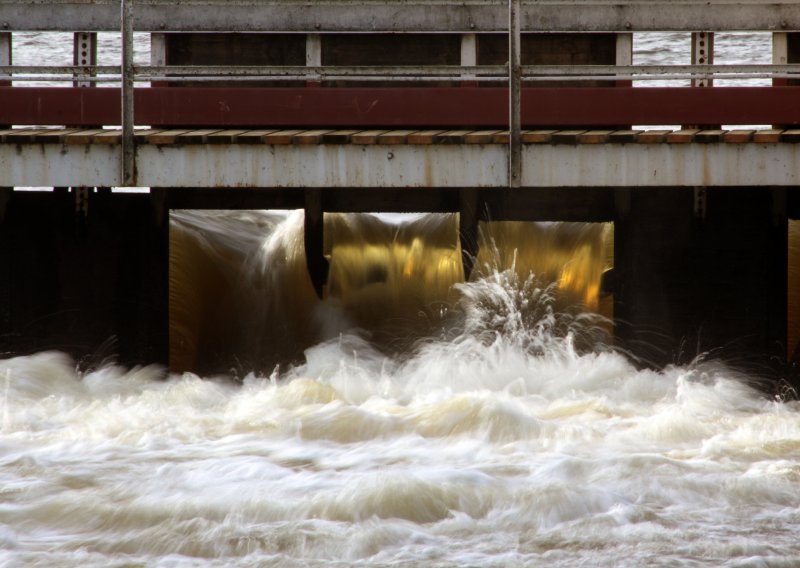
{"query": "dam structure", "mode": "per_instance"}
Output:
(495, 110)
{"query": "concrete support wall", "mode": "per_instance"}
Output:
(701, 270)
(84, 273)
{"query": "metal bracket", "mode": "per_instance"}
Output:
(81, 200)
(84, 53)
(700, 202)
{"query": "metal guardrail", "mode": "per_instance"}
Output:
(461, 16)
(379, 15)
(432, 73)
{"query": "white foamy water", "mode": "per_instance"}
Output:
(502, 445)
(477, 452)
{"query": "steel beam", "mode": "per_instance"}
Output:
(401, 107)
(466, 16)
(407, 166)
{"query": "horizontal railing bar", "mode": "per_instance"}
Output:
(468, 16)
(398, 79)
(403, 107)
(104, 73)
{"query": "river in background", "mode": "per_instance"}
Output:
(486, 423)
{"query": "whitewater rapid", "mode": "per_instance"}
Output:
(500, 445)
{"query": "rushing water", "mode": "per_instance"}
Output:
(478, 424)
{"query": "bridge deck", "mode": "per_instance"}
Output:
(402, 158)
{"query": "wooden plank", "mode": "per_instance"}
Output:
(140, 136)
(791, 136)
(108, 137)
(653, 136)
(281, 137)
(481, 137)
(594, 137)
(196, 136)
(253, 136)
(770, 136)
(165, 136)
(82, 136)
(566, 136)
(367, 137)
(709, 136)
(338, 136)
(738, 136)
(23, 135)
(683, 136)
(5, 132)
(423, 136)
(309, 137)
(624, 136)
(394, 137)
(53, 136)
(451, 137)
(501, 137)
(537, 136)
(223, 136)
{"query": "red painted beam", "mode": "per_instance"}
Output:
(407, 107)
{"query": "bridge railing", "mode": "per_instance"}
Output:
(469, 105)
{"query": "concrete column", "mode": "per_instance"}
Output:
(158, 54)
(469, 57)
(780, 54)
(90, 281)
(5, 52)
(691, 280)
(313, 55)
(624, 55)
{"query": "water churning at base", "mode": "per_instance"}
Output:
(487, 435)
(241, 298)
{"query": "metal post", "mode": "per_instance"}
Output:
(469, 57)
(128, 149)
(780, 54)
(702, 54)
(84, 52)
(514, 88)
(5, 53)
(624, 55)
(313, 55)
(158, 54)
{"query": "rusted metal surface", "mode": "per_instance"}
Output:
(407, 166)
(128, 151)
(514, 95)
(406, 107)
(399, 73)
(401, 15)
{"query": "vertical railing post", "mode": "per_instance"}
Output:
(313, 55)
(469, 58)
(128, 149)
(5, 53)
(780, 54)
(514, 94)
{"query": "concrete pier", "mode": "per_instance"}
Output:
(86, 273)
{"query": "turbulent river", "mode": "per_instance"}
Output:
(482, 423)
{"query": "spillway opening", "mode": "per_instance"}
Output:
(241, 299)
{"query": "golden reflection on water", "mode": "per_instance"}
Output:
(246, 296)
